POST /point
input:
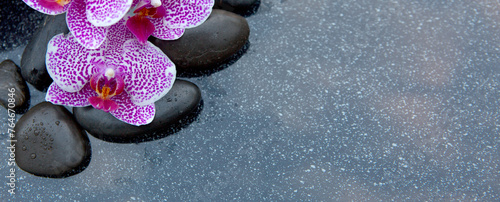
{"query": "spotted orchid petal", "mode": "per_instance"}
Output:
(163, 32)
(151, 72)
(114, 44)
(87, 34)
(69, 64)
(58, 96)
(132, 114)
(105, 12)
(187, 13)
(49, 7)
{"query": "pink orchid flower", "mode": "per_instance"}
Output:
(166, 19)
(88, 20)
(122, 77)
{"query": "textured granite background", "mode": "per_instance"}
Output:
(334, 100)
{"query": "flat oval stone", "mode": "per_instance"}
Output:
(10, 78)
(33, 60)
(50, 143)
(241, 7)
(208, 45)
(174, 110)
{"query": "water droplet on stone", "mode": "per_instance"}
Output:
(36, 132)
(33, 155)
(51, 139)
(24, 148)
(26, 137)
(41, 123)
(57, 122)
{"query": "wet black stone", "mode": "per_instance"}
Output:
(10, 78)
(175, 110)
(241, 7)
(209, 45)
(50, 143)
(33, 60)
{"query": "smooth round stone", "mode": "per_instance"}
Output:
(208, 45)
(50, 143)
(33, 60)
(241, 7)
(10, 78)
(181, 101)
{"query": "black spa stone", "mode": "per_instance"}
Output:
(13, 88)
(33, 60)
(50, 143)
(241, 7)
(180, 102)
(208, 45)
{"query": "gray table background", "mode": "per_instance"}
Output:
(334, 100)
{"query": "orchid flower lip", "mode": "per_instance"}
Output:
(107, 84)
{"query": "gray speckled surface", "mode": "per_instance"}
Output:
(334, 100)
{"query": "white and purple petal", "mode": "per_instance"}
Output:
(130, 113)
(187, 13)
(149, 75)
(69, 64)
(58, 96)
(86, 33)
(46, 7)
(105, 12)
(113, 46)
(163, 32)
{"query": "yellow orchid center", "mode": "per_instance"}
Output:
(62, 2)
(106, 84)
